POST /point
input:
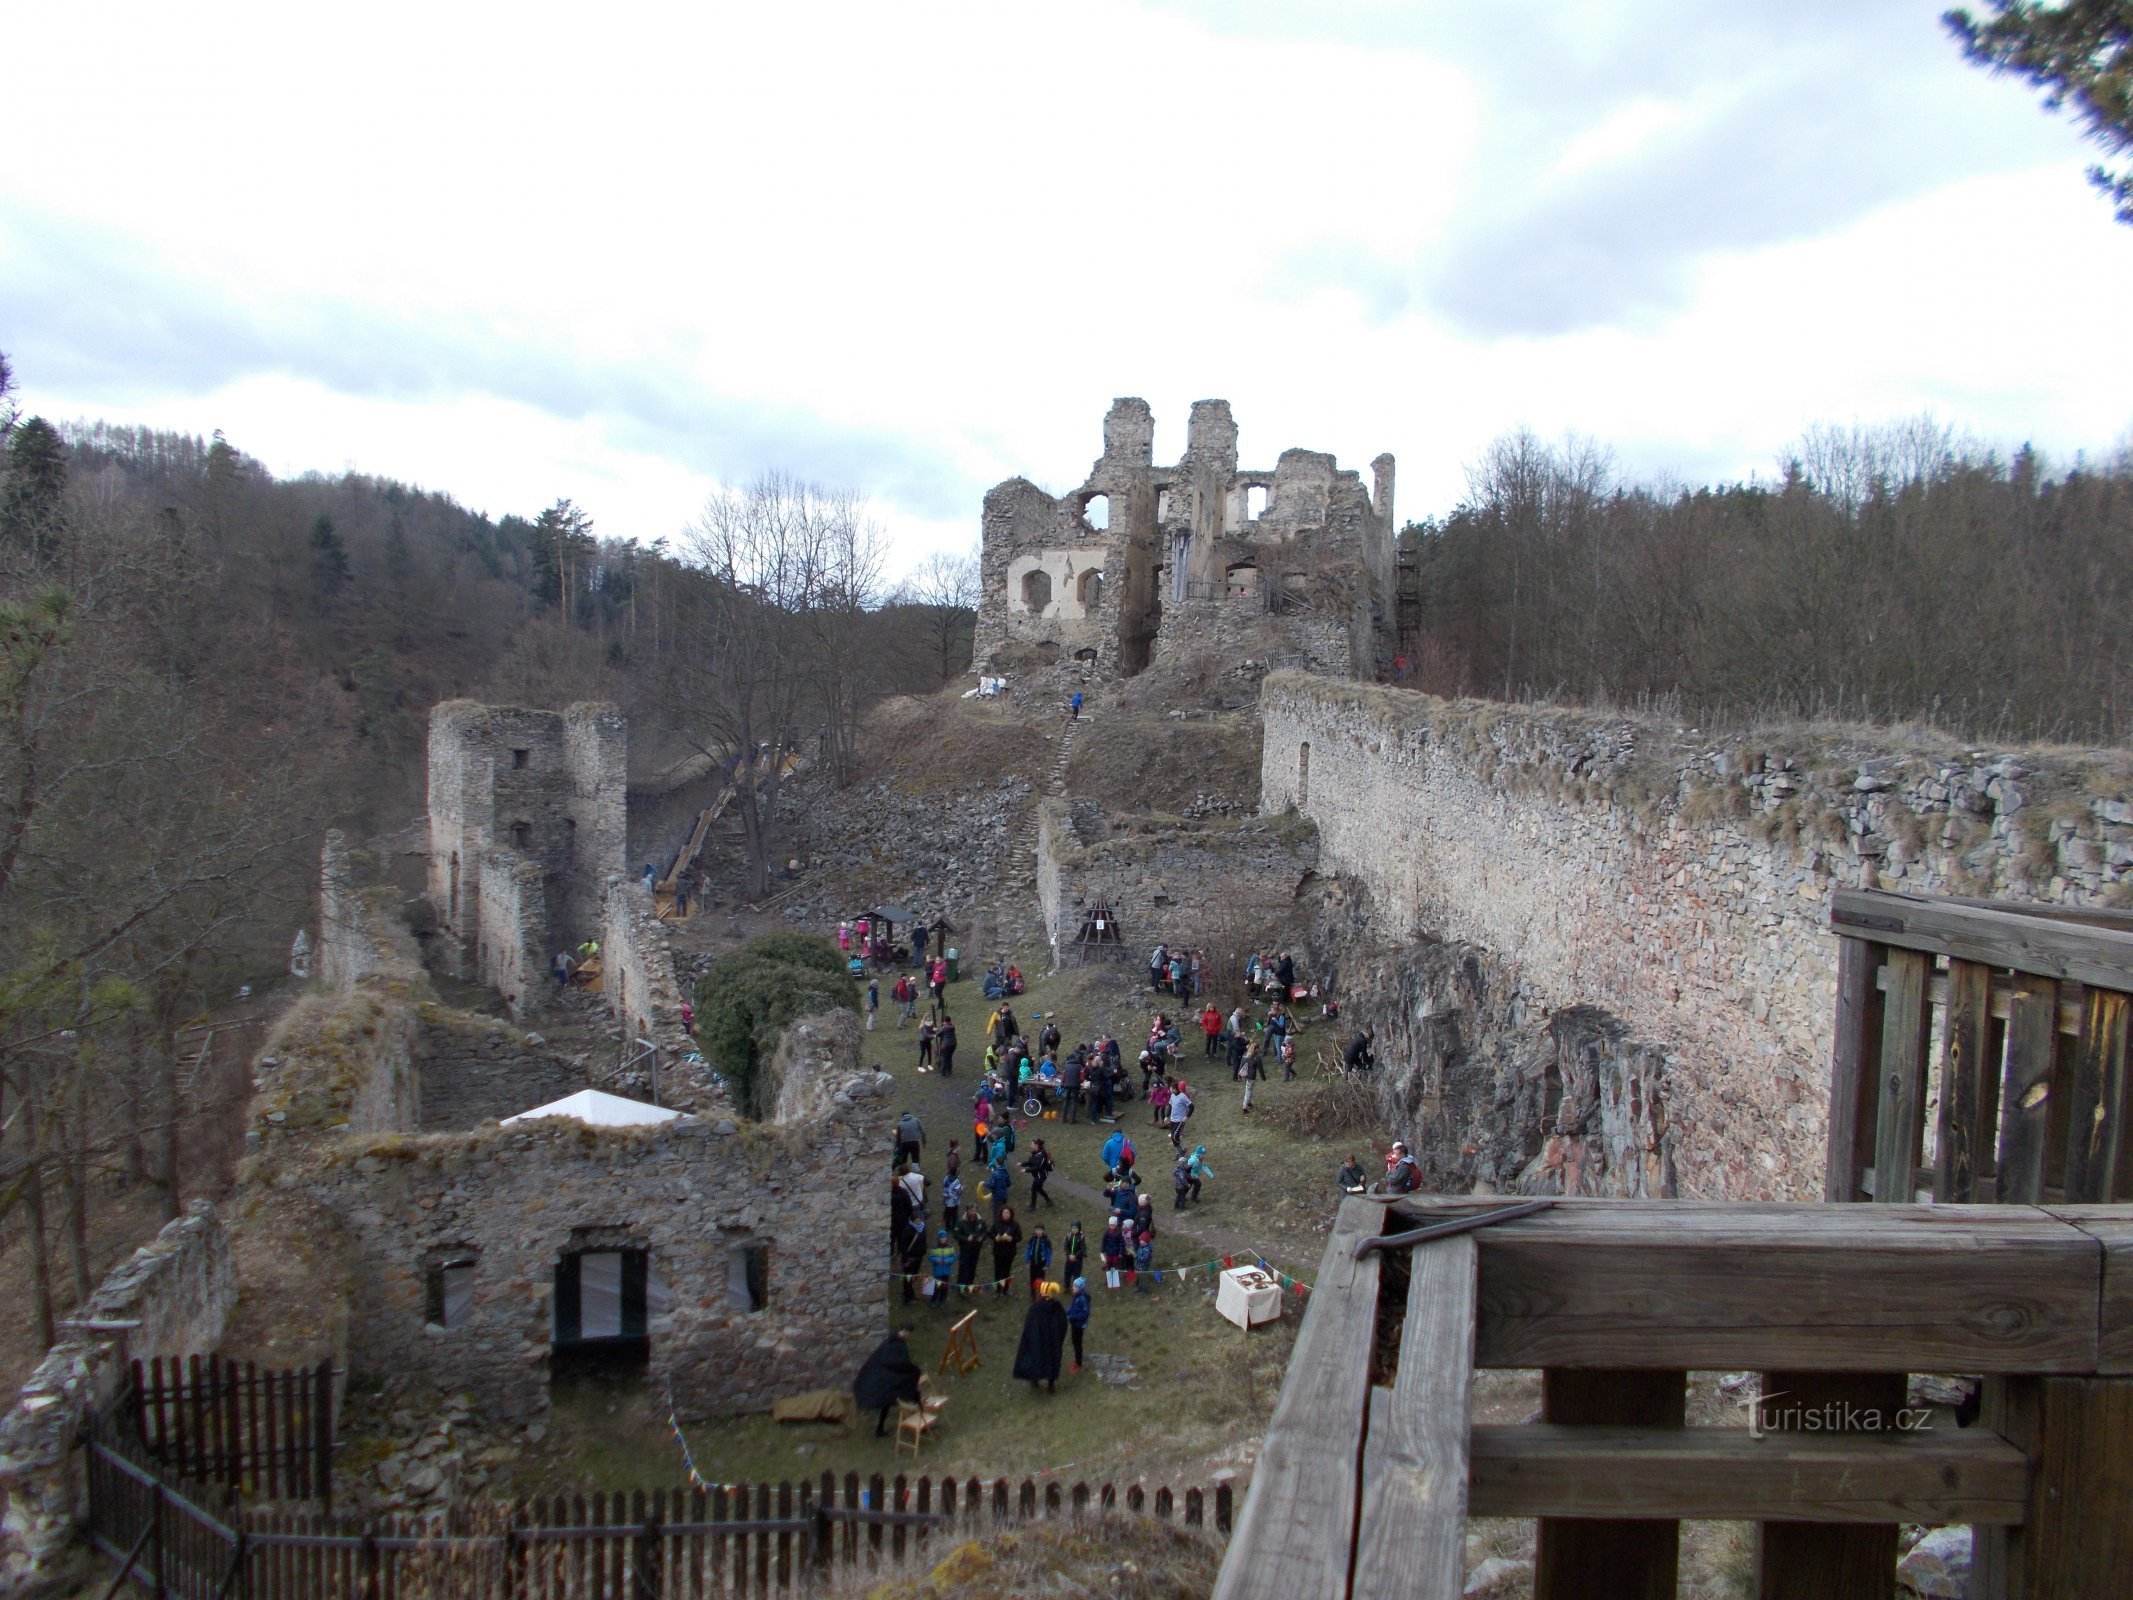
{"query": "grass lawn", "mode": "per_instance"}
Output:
(1201, 1391)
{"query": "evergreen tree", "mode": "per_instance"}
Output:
(32, 501)
(329, 564)
(2079, 51)
(563, 551)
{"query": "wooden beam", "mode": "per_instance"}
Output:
(1601, 1283)
(2112, 1229)
(1823, 1558)
(2078, 1540)
(2049, 947)
(1900, 1121)
(1296, 1534)
(1625, 1558)
(1725, 1474)
(2026, 1090)
(1411, 1538)
(1854, 1072)
(2095, 1148)
(1969, 1089)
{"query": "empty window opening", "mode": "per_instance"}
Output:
(1084, 655)
(522, 835)
(1303, 772)
(1037, 590)
(1097, 513)
(452, 916)
(1255, 499)
(1162, 504)
(519, 757)
(1089, 588)
(748, 1276)
(449, 1297)
(1241, 582)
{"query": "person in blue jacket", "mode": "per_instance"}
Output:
(1078, 1309)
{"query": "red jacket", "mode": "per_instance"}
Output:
(1210, 1022)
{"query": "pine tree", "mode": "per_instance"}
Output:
(2079, 51)
(32, 500)
(329, 564)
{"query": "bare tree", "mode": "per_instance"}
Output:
(944, 591)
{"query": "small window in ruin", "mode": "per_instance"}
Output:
(522, 835)
(748, 1276)
(1255, 502)
(1303, 772)
(1162, 504)
(1097, 513)
(519, 757)
(1089, 588)
(1084, 655)
(1036, 590)
(450, 1292)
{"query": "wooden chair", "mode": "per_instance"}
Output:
(915, 1419)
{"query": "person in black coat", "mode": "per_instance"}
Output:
(889, 1375)
(1044, 1331)
(1006, 1241)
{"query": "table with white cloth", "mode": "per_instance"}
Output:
(1248, 1296)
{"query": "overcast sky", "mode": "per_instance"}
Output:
(620, 253)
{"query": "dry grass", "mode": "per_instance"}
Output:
(1147, 761)
(1114, 1558)
(933, 743)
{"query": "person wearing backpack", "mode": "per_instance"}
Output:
(1038, 1164)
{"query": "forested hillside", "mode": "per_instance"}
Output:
(202, 667)
(1889, 574)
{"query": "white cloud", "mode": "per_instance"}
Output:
(526, 253)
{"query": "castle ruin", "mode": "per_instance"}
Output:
(1140, 556)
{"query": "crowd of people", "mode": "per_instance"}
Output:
(978, 1242)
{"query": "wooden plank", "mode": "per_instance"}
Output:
(2048, 947)
(2079, 1537)
(1296, 1533)
(1627, 1558)
(2095, 1158)
(2026, 1089)
(1799, 1558)
(1725, 1474)
(2112, 1229)
(1854, 1075)
(1900, 1119)
(1411, 1535)
(1969, 1088)
(2009, 1408)
(1603, 1283)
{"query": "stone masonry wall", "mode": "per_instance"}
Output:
(690, 1193)
(511, 942)
(1680, 881)
(472, 1069)
(361, 934)
(637, 966)
(1172, 879)
(178, 1289)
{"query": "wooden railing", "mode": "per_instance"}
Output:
(2029, 1005)
(750, 1539)
(1371, 1466)
(207, 1420)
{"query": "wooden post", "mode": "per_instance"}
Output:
(322, 1433)
(1823, 1560)
(2079, 1536)
(1899, 1126)
(160, 1526)
(1969, 1081)
(2094, 1151)
(1629, 1559)
(2027, 1089)
(1854, 1076)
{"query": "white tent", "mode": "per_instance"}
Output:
(601, 1110)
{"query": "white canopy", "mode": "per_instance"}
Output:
(600, 1109)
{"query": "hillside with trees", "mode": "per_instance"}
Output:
(1888, 575)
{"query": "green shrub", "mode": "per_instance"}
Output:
(745, 1003)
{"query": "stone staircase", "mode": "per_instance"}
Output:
(1022, 864)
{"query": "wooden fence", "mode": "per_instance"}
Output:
(205, 1420)
(762, 1539)
(1371, 1466)
(2030, 1007)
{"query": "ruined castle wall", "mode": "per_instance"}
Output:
(340, 1062)
(471, 1070)
(517, 1200)
(178, 1290)
(361, 934)
(1190, 881)
(638, 967)
(595, 845)
(1677, 881)
(511, 943)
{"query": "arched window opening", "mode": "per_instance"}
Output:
(1241, 582)
(1089, 589)
(1097, 513)
(1036, 590)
